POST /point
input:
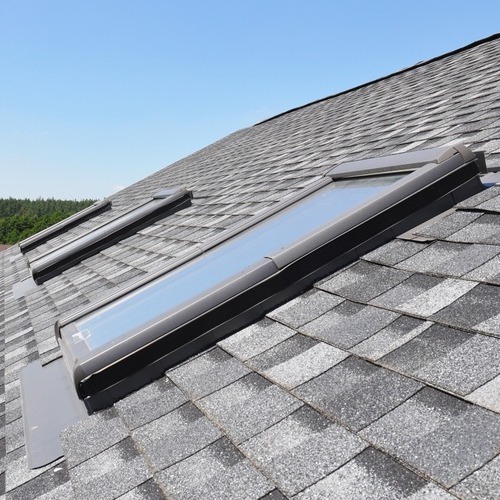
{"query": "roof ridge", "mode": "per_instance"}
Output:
(390, 75)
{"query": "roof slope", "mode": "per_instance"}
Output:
(383, 381)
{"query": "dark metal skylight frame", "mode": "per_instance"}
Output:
(64, 225)
(103, 373)
(54, 262)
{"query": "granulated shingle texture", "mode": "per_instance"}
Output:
(438, 434)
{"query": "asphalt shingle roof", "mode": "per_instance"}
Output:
(382, 381)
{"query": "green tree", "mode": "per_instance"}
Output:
(20, 218)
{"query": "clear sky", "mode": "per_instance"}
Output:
(97, 94)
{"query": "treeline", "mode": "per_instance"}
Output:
(20, 218)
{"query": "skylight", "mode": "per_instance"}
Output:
(56, 261)
(227, 262)
(135, 335)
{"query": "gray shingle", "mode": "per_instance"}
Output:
(348, 324)
(207, 373)
(492, 204)
(20, 478)
(488, 272)
(305, 308)
(175, 436)
(452, 224)
(296, 360)
(44, 485)
(13, 410)
(110, 474)
(364, 281)
(14, 434)
(217, 471)
(64, 491)
(473, 310)
(438, 435)
(394, 252)
(92, 435)
(487, 395)
(436, 298)
(150, 403)
(484, 483)
(373, 476)
(484, 229)
(448, 358)
(449, 258)
(145, 491)
(248, 406)
(356, 392)
(393, 336)
(302, 449)
(414, 286)
(274, 495)
(256, 338)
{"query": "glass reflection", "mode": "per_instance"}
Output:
(228, 260)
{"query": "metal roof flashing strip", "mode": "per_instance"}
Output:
(400, 162)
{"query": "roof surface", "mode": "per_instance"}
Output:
(382, 381)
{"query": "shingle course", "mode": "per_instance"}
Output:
(248, 406)
(305, 308)
(487, 395)
(364, 281)
(111, 473)
(217, 471)
(356, 393)
(394, 252)
(390, 338)
(207, 373)
(91, 436)
(452, 224)
(477, 310)
(150, 403)
(145, 491)
(296, 360)
(372, 475)
(449, 258)
(174, 436)
(484, 483)
(348, 324)
(42, 484)
(301, 449)
(447, 358)
(256, 338)
(438, 435)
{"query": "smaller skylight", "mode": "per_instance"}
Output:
(64, 225)
(56, 261)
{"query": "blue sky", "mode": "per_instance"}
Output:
(97, 94)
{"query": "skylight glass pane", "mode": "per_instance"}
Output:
(227, 261)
